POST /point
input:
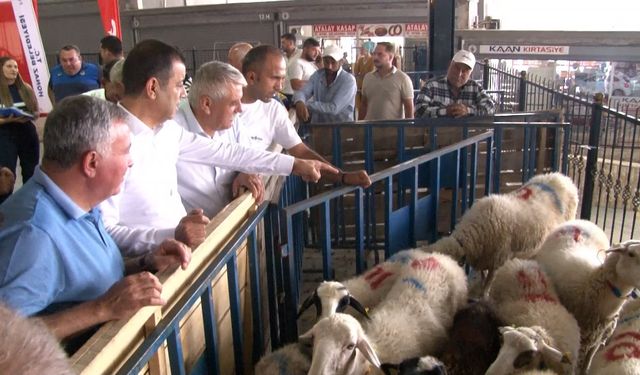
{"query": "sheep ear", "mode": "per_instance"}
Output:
(365, 348)
(312, 299)
(358, 307)
(306, 338)
(552, 353)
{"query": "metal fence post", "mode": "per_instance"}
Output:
(592, 156)
(485, 75)
(522, 94)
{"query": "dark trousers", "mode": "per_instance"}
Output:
(19, 141)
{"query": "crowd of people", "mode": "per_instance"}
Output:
(134, 168)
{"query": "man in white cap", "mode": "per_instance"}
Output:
(454, 95)
(333, 91)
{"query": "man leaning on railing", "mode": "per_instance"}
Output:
(454, 95)
(57, 260)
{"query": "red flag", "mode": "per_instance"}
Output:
(110, 14)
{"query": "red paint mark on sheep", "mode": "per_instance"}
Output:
(377, 276)
(534, 286)
(427, 264)
(575, 232)
(624, 349)
(524, 193)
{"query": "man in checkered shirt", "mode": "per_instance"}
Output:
(454, 95)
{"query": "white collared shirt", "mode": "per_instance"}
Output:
(148, 207)
(258, 126)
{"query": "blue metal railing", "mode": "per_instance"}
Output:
(526, 125)
(418, 218)
(201, 290)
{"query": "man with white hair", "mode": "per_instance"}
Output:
(259, 122)
(333, 91)
(149, 209)
(454, 95)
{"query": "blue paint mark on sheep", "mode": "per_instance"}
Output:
(400, 258)
(414, 283)
(550, 190)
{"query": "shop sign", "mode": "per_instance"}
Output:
(334, 30)
(627, 104)
(416, 30)
(516, 49)
(384, 29)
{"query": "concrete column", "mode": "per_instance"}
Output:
(441, 28)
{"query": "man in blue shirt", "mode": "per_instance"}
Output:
(333, 91)
(72, 76)
(56, 258)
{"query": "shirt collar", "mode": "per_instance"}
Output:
(58, 195)
(136, 126)
(393, 71)
(192, 122)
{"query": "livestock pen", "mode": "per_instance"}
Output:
(240, 294)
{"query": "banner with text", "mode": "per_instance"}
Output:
(110, 14)
(365, 31)
(515, 49)
(334, 30)
(33, 51)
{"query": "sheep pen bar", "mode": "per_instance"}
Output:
(525, 144)
(404, 226)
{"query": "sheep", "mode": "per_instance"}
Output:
(592, 290)
(360, 292)
(621, 355)
(291, 359)
(500, 227)
(422, 366)
(474, 339)
(545, 332)
(410, 322)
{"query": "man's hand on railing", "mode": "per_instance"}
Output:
(191, 229)
(311, 170)
(169, 253)
(252, 182)
(128, 295)
(457, 110)
(356, 178)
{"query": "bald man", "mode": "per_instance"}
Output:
(237, 53)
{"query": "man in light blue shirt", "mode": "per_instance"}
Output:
(329, 95)
(56, 258)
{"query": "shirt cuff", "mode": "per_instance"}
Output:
(284, 164)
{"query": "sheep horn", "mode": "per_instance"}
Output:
(311, 300)
(358, 307)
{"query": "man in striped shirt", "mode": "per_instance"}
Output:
(454, 95)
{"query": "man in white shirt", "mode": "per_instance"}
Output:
(301, 68)
(261, 122)
(148, 209)
(387, 93)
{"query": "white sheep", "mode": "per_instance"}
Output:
(621, 355)
(504, 226)
(360, 292)
(545, 332)
(591, 290)
(291, 359)
(410, 322)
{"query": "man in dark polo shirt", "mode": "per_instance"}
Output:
(72, 76)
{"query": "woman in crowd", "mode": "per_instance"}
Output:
(18, 136)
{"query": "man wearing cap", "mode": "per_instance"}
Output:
(333, 91)
(454, 95)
